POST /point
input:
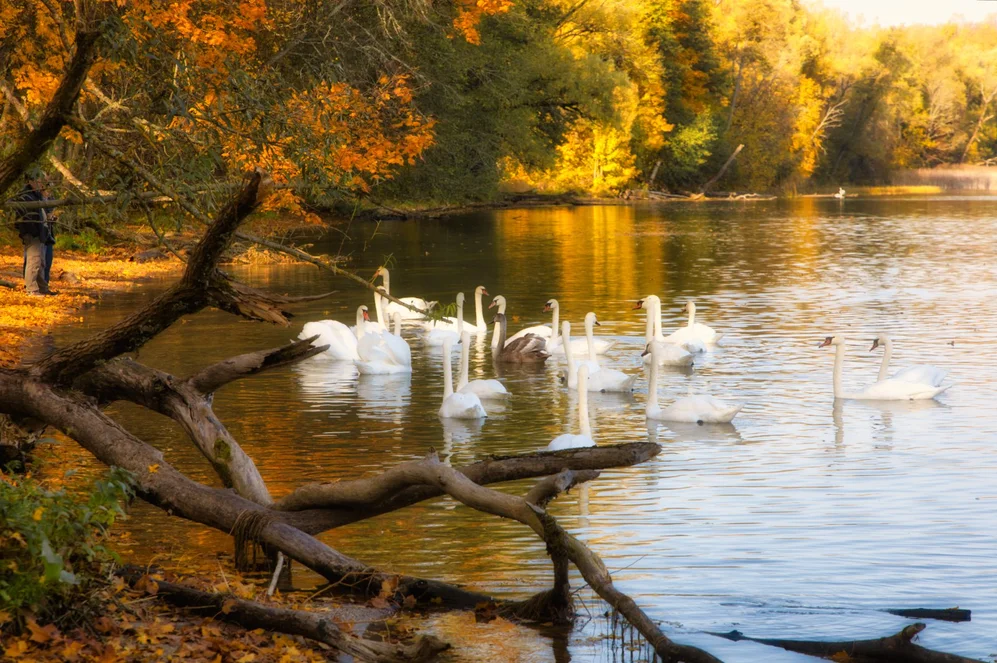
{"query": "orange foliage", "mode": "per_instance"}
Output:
(470, 12)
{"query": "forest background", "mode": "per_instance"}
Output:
(418, 101)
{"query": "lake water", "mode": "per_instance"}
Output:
(803, 519)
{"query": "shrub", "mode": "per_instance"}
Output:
(86, 240)
(52, 544)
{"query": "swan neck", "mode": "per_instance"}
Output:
(652, 386)
(460, 318)
(566, 340)
(884, 368)
(839, 360)
(649, 324)
(377, 307)
(479, 316)
(462, 381)
(447, 372)
(500, 326)
(657, 318)
(385, 280)
(583, 408)
(590, 339)
(692, 314)
(397, 320)
(554, 323)
(358, 330)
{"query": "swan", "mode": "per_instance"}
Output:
(457, 405)
(395, 307)
(584, 438)
(526, 349)
(669, 354)
(599, 378)
(603, 379)
(383, 352)
(921, 373)
(555, 344)
(480, 326)
(543, 331)
(342, 340)
(480, 388)
(695, 336)
(436, 336)
(699, 409)
(840, 194)
(890, 389)
(569, 355)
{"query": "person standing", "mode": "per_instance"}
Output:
(33, 227)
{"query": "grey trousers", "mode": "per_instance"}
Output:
(34, 267)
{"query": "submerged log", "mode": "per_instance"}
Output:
(943, 614)
(312, 625)
(897, 648)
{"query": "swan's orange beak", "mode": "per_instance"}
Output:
(826, 342)
(493, 304)
(366, 317)
(639, 304)
(484, 292)
(875, 344)
(547, 308)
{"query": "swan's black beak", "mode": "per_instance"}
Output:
(598, 324)
(826, 342)
(639, 304)
(875, 344)
(647, 350)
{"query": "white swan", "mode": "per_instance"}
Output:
(451, 324)
(884, 390)
(480, 388)
(436, 336)
(584, 439)
(382, 352)
(700, 409)
(569, 354)
(555, 344)
(342, 340)
(840, 194)
(922, 373)
(394, 307)
(694, 332)
(457, 405)
(602, 378)
(668, 354)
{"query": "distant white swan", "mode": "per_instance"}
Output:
(606, 379)
(922, 373)
(555, 343)
(394, 307)
(701, 409)
(457, 405)
(451, 324)
(480, 388)
(668, 354)
(694, 332)
(435, 336)
(599, 378)
(840, 194)
(584, 438)
(889, 389)
(383, 352)
(342, 340)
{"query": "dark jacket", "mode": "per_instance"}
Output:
(31, 222)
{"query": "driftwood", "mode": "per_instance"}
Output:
(899, 648)
(942, 614)
(723, 169)
(312, 625)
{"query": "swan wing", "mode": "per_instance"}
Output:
(892, 389)
(671, 355)
(569, 441)
(543, 331)
(700, 409)
(527, 346)
(485, 389)
(341, 341)
(922, 374)
(462, 406)
(610, 379)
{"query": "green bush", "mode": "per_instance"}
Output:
(52, 543)
(86, 240)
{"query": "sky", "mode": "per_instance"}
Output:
(907, 12)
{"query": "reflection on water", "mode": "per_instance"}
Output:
(803, 518)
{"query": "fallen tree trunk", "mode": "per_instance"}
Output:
(898, 647)
(253, 615)
(942, 614)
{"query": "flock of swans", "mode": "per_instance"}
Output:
(376, 349)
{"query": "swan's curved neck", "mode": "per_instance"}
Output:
(479, 316)
(496, 330)
(884, 368)
(583, 408)
(377, 307)
(590, 338)
(447, 372)
(397, 320)
(554, 331)
(839, 360)
(386, 280)
(657, 318)
(358, 330)
(462, 380)
(460, 318)
(692, 314)
(649, 324)
(500, 333)
(652, 386)
(566, 340)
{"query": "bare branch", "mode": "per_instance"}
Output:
(212, 378)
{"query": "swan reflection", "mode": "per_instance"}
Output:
(322, 376)
(384, 397)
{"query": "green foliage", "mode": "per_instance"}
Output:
(52, 544)
(86, 240)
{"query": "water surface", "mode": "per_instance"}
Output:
(803, 519)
